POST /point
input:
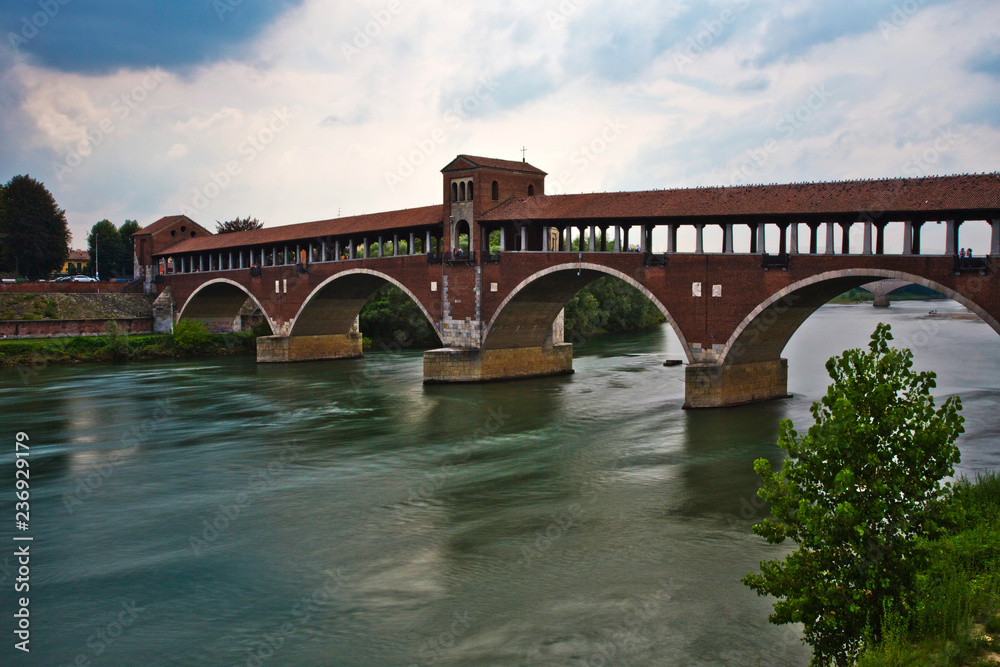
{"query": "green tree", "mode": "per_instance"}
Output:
(392, 316)
(237, 225)
(104, 244)
(861, 495)
(126, 264)
(34, 236)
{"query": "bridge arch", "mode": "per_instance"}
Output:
(764, 332)
(217, 303)
(525, 317)
(334, 305)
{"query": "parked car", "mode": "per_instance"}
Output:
(62, 279)
(81, 279)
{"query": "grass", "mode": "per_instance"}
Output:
(955, 620)
(117, 346)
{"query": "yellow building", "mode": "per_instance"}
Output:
(77, 259)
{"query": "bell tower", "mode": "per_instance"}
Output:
(474, 185)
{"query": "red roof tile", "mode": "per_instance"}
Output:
(78, 256)
(358, 224)
(812, 200)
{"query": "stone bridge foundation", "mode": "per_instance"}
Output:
(285, 349)
(472, 365)
(716, 386)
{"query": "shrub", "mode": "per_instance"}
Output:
(191, 336)
(117, 342)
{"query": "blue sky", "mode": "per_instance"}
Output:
(298, 110)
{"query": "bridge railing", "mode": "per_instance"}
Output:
(980, 264)
(460, 257)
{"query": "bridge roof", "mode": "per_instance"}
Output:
(373, 222)
(936, 194)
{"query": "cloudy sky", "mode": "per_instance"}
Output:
(298, 110)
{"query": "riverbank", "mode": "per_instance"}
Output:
(120, 347)
(956, 616)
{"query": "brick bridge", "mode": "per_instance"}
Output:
(498, 313)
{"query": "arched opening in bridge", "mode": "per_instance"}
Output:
(767, 330)
(369, 303)
(593, 298)
(224, 306)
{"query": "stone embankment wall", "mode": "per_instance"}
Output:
(46, 314)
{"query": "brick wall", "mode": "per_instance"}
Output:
(54, 328)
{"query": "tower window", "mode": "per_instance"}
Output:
(496, 191)
(531, 190)
(454, 191)
(470, 190)
(461, 191)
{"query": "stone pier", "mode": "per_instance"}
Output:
(715, 386)
(285, 349)
(472, 365)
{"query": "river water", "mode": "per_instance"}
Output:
(218, 512)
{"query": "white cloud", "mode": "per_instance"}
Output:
(352, 122)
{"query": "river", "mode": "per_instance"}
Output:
(220, 512)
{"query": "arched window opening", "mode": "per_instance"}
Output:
(461, 191)
(496, 191)
(462, 237)
(470, 190)
(454, 191)
(531, 190)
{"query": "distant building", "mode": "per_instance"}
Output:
(77, 260)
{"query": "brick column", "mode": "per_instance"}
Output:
(995, 241)
(794, 239)
(867, 250)
(829, 238)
